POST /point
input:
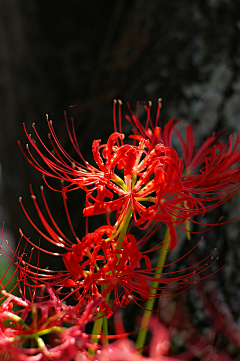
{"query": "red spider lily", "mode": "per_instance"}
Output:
(157, 185)
(211, 175)
(212, 152)
(145, 174)
(162, 164)
(96, 267)
(21, 331)
(159, 178)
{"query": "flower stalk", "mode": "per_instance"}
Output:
(141, 338)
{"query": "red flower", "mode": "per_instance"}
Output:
(149, 177)
(96, 267)
(156, 185)
(22, 331)
(210, 175)
(123, 349)
(145, 174)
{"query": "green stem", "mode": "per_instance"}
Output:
(150, 302)
(97, 327)
(101, 322)
(105, 327)
(42, 332)
(124, 229)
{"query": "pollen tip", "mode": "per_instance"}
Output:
(20, 199)
(215, 249)
(41, 187)
(49, 136)
(33, 125)
(217, 258)
(149, 103)
(32, 249)
(60, 245)
(120, 101)
(6, 241)
(33, 196)
(114, 101)
(50, 122)
(27, 146)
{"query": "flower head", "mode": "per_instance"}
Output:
(97, 266)
(22, 331)
(147, 180)
(148, 177)
(209, 176)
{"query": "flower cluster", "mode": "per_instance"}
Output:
(158, 185)
(22, 332)
(96, 266)
(51, 330)
(140, 185)
(146, 182)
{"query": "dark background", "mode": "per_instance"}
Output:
(56, 54)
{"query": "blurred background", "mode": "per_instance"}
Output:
(80, 55)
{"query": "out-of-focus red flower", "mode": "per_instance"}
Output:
(124, 350)
(22, 331)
